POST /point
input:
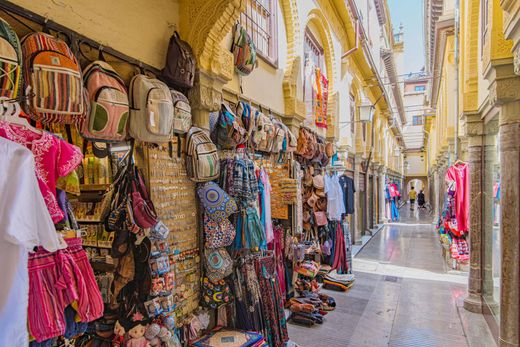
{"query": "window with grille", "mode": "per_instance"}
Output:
(260, 23)
(484, 17)
(417, 120)
(312, 50)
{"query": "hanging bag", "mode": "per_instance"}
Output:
(244, 51)
(53, 78)
(151, 114)
(202, 162)
(181, 113)
(229, 131)
(180, 64)
(10, 61)
(217, 204)
(109, 107)
(218, 235)
(142, 207)
(218, 263)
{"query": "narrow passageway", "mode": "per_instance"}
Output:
(404, 295)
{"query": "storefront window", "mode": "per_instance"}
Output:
(491, 241)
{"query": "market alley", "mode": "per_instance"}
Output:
(403, 296)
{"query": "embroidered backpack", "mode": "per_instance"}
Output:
(229, 131)
(151, 113)
(181, 113)
(202, 162)
(10, 61)
(264, 134)
(244, 51)
(53, 77)
(109, 109)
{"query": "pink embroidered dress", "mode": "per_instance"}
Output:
(53, 158)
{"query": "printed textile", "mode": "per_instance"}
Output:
(53, 158)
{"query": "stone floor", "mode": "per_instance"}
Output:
(403, 296)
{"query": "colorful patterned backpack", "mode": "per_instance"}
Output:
(10, 61)
(109, 109)
(53, 76)
(244, 51)
(151, 113)
(202, 162)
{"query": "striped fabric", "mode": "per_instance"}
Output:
(54, 76)
(10, 61)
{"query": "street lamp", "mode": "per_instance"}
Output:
(366, 112)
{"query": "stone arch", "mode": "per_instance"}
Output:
(424, 181)
(204, 25)
(321, 23)
(317, 17)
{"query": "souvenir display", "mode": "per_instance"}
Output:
(149, 232)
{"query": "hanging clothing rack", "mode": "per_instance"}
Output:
(75, 38)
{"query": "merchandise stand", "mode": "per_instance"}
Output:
(167, 234)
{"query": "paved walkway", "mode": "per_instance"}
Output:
(403, 296)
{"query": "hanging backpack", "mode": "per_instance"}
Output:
(151, 112)
(264, 134)
(10, 61)
(244, 51)
(181, 113)
(229, 131)
(180, 64)
(53, 76)
(109, 109)
(279, 137)
(202, 162)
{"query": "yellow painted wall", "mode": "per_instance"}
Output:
(138, 28)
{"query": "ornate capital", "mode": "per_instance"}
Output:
(205, 97)
(504, 90)
(516, 59)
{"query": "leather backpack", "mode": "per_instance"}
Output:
(151, 115)
(109, 109)
(202, 161)
(53, 74)
(11, 61)
(180, 64)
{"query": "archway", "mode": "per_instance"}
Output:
(419, 183)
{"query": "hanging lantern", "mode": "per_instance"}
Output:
(366, 112)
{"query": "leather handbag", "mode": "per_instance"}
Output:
(320, 218)
(218, 263)
(142, 207)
